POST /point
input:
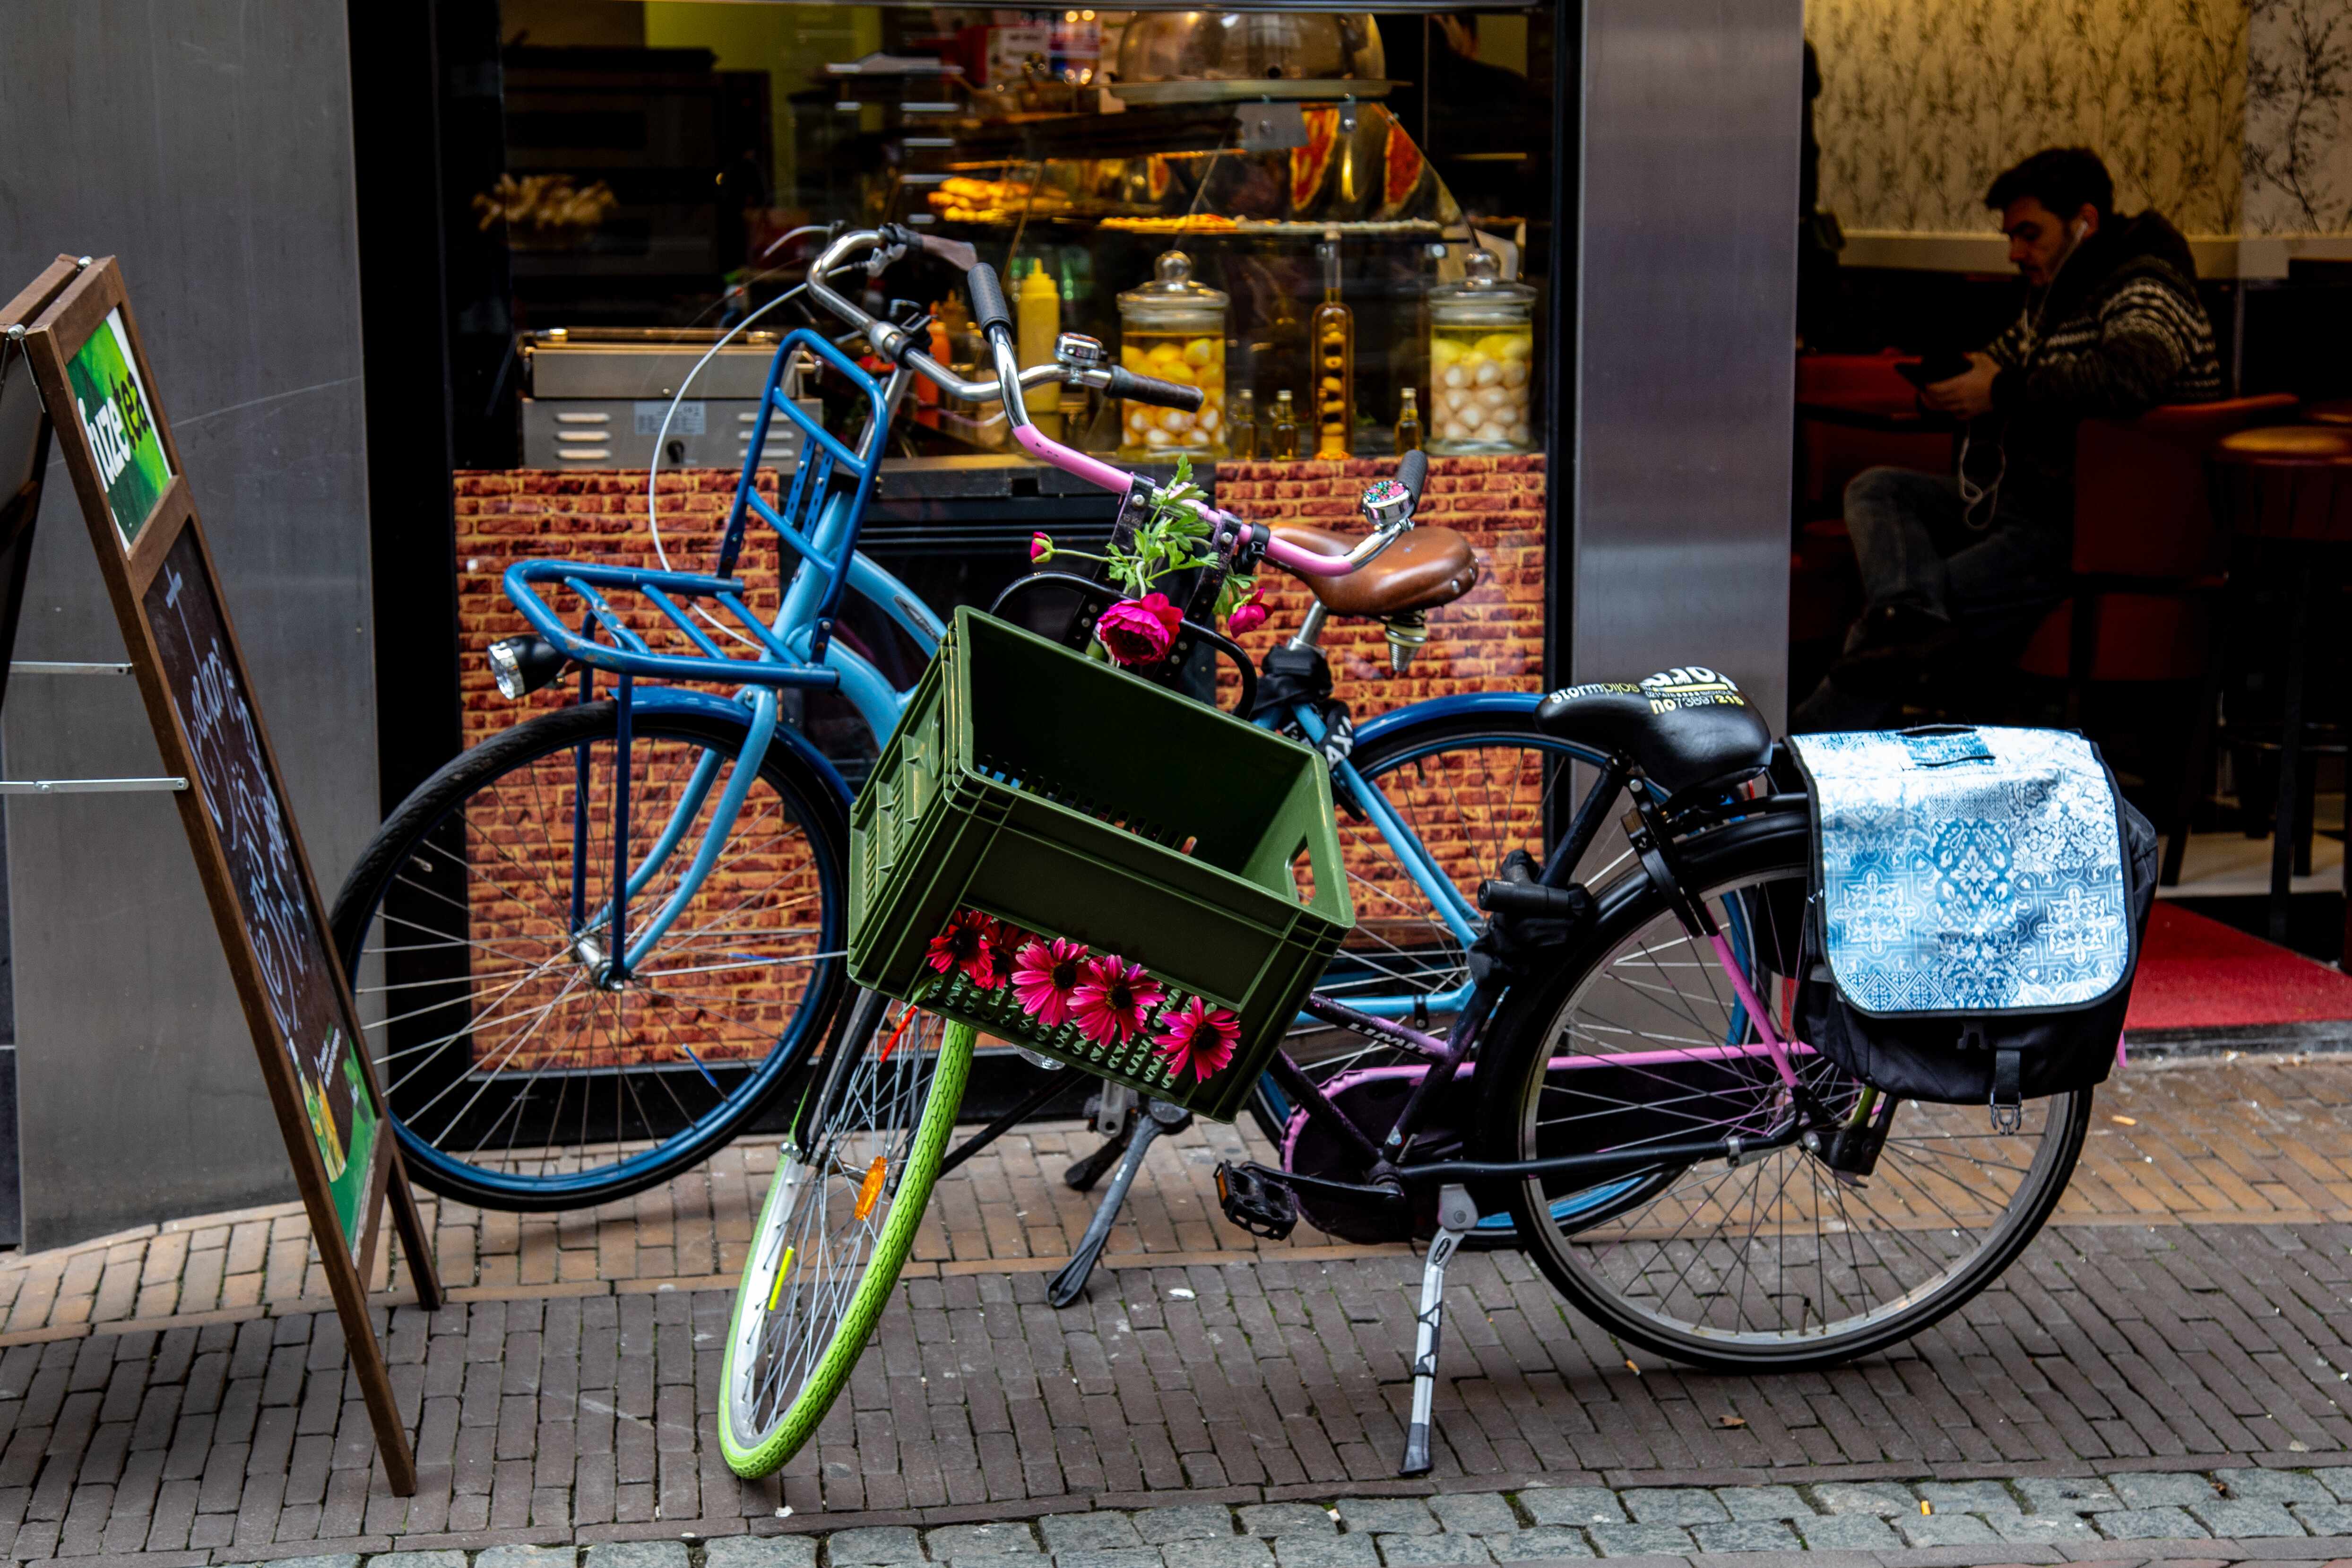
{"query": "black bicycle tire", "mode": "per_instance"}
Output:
(431, 802)
(1779, 839)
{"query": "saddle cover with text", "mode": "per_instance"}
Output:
(1976, 904)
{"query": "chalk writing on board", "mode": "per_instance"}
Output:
(240, 795)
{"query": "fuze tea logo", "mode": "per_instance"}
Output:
(120, 424)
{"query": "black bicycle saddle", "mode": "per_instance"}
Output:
(1689, 730)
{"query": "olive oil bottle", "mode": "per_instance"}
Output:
(1331, 332)
(1286, 429)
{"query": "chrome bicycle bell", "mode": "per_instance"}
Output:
(1386, 505)
(1079, 352)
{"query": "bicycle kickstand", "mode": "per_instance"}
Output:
(1115, 1111)
(1456, 1214)
(1158, 1117)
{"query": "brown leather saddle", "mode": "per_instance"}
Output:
(1424, 568)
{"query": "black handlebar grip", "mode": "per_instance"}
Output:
(1534, 898)
(987, 297)
(1412, 472)
(1124, 382)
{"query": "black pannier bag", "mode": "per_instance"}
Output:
(1976, 903)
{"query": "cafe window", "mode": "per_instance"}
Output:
(1199, 190)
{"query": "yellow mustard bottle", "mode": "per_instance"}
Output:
(1037, 321)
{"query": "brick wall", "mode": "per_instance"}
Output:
(1490, 639)
(519, 843)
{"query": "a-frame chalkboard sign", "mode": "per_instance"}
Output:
(80, 340)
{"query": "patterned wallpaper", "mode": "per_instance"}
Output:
(2298, 114)
(2230, 116)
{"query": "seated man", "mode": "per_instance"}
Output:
(1966, 565)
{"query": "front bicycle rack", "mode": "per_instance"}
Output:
(831, 481)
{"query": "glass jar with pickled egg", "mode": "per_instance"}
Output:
(1174, 328)
(1482, 342)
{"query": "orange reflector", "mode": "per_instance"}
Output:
(891, 1044)
(870, 1189)
(782, 1269)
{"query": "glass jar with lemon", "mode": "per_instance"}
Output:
(1174, 328)
(1481, 362)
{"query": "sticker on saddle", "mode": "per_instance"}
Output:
(1690, 686)
(1595, 688)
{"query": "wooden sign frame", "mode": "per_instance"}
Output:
(20, 507)
(82, 342)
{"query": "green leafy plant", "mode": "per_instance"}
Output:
(1172, 537)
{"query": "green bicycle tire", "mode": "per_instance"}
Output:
(753, 1455)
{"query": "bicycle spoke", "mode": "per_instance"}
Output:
(1776, 1253)
(510, 1045)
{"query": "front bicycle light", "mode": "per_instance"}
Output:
(522, 665)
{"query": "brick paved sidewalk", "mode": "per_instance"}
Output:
(2248, 1140)
(175, 1394)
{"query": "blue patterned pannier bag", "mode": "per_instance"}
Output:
(1977, 903)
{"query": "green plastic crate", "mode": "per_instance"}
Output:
(1073, 800)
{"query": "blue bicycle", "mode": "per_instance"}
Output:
(590, 949)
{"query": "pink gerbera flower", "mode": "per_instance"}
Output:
(1198, 1036)
(1111, 998)
(1045, 978)
(968, 945)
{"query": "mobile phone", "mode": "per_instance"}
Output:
(1925, 372)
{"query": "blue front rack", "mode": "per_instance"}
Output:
(829, 474)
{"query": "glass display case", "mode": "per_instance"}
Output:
(659, 156)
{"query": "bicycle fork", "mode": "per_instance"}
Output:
(623, 949)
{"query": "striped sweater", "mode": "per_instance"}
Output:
(2118, 332)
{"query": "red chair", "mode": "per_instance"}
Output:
(1849, 408)
(1831, 450)
(2147, 555)
(2149, 560)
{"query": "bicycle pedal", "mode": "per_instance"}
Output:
(1259, 1206)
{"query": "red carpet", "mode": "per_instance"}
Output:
(2198, 973)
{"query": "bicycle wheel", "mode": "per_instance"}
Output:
(1469, 787)
(520, 1075)
(1774, 1261)
(848, 1194)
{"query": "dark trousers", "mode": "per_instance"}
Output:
(1935, 589)
(1913, 538)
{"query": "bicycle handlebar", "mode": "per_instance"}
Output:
(1412, 473)
(987, 298)
(893, 343)
(1138, 388)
